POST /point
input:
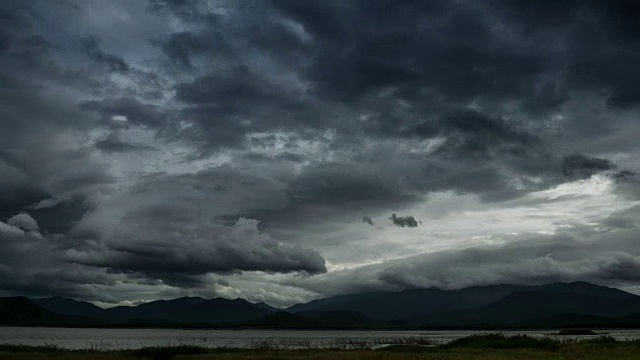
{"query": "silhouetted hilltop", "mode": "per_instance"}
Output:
(20, 310)
(552, 305)
(531, 308)
(500, 304)
(64, 306)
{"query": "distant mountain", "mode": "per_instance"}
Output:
(181, 311)
(191, 310)
(552, 305)
(531, 308)
(483, 306)
(152, 310)
(408, 303)
(63, 306)
(22, 311)
(268, 307)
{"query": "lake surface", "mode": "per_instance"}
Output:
(114, 339)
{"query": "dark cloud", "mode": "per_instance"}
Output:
(225, 106)
(135, 142)
(237, 85)
(582, 167)
(186, 9)
(404, 221)
(392, 47)
(30, 264)
(368, 220)
(240, 247)
(23, 221)
(16, 195)
(114, 143)
(61, 216)
(183, 46)
(92, 49)
(41, 157)
(477, 125)
(625, 175)
(334, 191)
(471, 134)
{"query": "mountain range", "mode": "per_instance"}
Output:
(500, 306)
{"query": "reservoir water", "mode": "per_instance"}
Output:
(115, 339)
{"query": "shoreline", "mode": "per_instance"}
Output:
(494, 346)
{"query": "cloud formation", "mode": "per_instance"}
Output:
(218, 249)
(404, 221)
(164, 146)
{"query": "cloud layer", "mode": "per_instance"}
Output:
(169, 148)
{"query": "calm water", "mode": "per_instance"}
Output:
(113, 339)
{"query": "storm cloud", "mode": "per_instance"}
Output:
(211, 148)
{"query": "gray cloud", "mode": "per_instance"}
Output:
(404, 221)
(114, 143)
(581, 166)
(542, 260)
(23, 221)
(239, 247)
(182, 47)
(303, 115)
(134, 111)
(113, 63)
(610, 258)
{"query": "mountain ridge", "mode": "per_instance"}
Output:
(473, 307)
(418, 302)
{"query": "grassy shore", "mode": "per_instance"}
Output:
(473, 347)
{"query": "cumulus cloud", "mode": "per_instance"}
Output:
(217, 249)
(24, 222)
(32, 265)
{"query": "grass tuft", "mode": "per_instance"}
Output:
(601, 340)
(500, 341)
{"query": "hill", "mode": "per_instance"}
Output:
(22, 311)
(551, 305)
(190, 310)
(63, 306)
(531, 308)
(501, 305)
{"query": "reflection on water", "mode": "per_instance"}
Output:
(113, 339)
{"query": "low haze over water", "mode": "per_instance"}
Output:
(114, 339)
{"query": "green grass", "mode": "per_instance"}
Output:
(480, 347)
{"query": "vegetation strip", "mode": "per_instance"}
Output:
(474, 347)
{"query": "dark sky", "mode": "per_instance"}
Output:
(260, 149)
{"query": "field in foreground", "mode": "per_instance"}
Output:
(473, 347)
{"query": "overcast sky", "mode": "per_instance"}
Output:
(260, 149)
